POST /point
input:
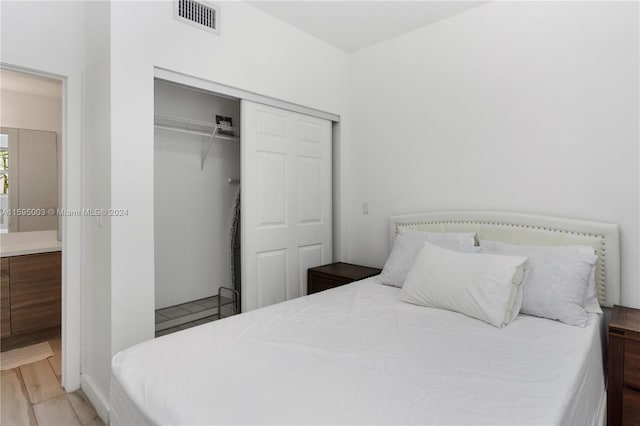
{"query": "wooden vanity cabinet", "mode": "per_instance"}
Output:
(5, 304)
(32, 300)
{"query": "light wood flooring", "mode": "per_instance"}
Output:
(32, 395)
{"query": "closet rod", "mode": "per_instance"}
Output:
(233, 181)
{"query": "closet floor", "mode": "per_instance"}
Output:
(187, 315)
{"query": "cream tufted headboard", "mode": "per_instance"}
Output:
(519, 228)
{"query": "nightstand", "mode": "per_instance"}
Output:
(336, 274)
(623, 389)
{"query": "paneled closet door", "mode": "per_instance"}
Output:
(286, 202)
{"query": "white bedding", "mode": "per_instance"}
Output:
(356, 355)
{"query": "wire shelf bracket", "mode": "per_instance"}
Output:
(196, 127)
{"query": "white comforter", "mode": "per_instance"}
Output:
(355, 355)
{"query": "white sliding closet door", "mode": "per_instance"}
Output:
(286, 202)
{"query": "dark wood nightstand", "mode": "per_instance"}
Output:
(336, 274)
(623, 389)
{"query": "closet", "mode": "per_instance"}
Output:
(196, 188)
(243, 203)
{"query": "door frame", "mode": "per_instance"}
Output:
(71, 177)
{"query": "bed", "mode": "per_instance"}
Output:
(357, 355)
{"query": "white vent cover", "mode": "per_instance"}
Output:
(202, 14)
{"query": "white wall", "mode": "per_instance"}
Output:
(193, 207)
(516, 106)
(34, 112)
(49, 37)
(97, 334)
(254, 52)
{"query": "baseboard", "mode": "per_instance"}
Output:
(100, 403)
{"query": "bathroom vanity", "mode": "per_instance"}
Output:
(31, 282)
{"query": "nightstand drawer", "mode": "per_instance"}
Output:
(632, 364)
(623, 373)
(630, 407)
(321, 283)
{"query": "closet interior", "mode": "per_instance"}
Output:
(197, 206)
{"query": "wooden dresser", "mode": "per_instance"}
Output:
(336, 274)
(623, 389)
(31, 298)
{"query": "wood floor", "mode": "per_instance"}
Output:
(32, 395)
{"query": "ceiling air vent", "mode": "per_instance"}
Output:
(202, 14)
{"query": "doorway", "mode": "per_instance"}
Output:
(196, 212)
(31, 123)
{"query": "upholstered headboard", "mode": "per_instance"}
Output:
(519, 228)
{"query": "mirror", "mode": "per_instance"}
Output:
(28, 180)
(31, 120)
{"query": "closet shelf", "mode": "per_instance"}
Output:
(204, 128)
(196, 127)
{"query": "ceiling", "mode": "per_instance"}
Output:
(353, 25)
(30, 84)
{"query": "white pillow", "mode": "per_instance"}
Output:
(482, 286)
(408, 244)
(558, 281)
(592, 303)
